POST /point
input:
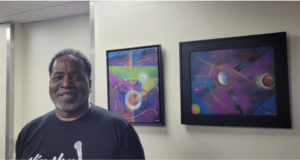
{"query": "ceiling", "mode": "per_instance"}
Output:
(32, 11)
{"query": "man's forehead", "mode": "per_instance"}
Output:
(68, 62)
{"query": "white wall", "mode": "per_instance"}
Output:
(130, 24)
(41, 41)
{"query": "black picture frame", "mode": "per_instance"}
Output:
(158, 100)
(278, 42)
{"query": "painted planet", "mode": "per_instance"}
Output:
(195, 109)
(268, 81)
(224, 77)
(133, 99)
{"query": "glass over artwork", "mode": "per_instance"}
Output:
(233, 81)
(134, 84)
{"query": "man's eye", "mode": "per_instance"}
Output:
(77, 78)
(57, 78)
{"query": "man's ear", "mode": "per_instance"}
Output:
(90, 83)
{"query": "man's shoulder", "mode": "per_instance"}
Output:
(109, 117)
(35, 123)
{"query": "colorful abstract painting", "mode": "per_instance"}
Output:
(233, 81)
(134, 84)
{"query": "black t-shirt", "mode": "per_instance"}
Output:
(98, 134)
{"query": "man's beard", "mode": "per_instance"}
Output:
(71, 107)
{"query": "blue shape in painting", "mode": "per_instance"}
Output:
(135, 56)
(268, 108)
(203, 107)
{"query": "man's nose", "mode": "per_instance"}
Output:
(67, 83)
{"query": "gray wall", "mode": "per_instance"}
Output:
(3, 52)
(41, 41)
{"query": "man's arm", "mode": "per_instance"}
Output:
(130, 146)
(18, 146)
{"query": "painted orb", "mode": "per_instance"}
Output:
(268, 81)
(142, 77)
(224, 77)
(133, 99)
(195, 109)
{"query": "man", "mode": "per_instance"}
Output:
(76, 129)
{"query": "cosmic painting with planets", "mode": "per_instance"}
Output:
(134, 84)
(239, 81)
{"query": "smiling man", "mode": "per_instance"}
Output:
(76, 129)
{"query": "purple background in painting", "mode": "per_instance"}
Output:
(250, 95)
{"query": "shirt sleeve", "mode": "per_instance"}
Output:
(18, 156)
(20, 142)
(130, 146)
(19, 145)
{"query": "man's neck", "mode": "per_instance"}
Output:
(71, 116)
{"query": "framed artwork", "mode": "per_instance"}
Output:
(238, 81)
(135, 84)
